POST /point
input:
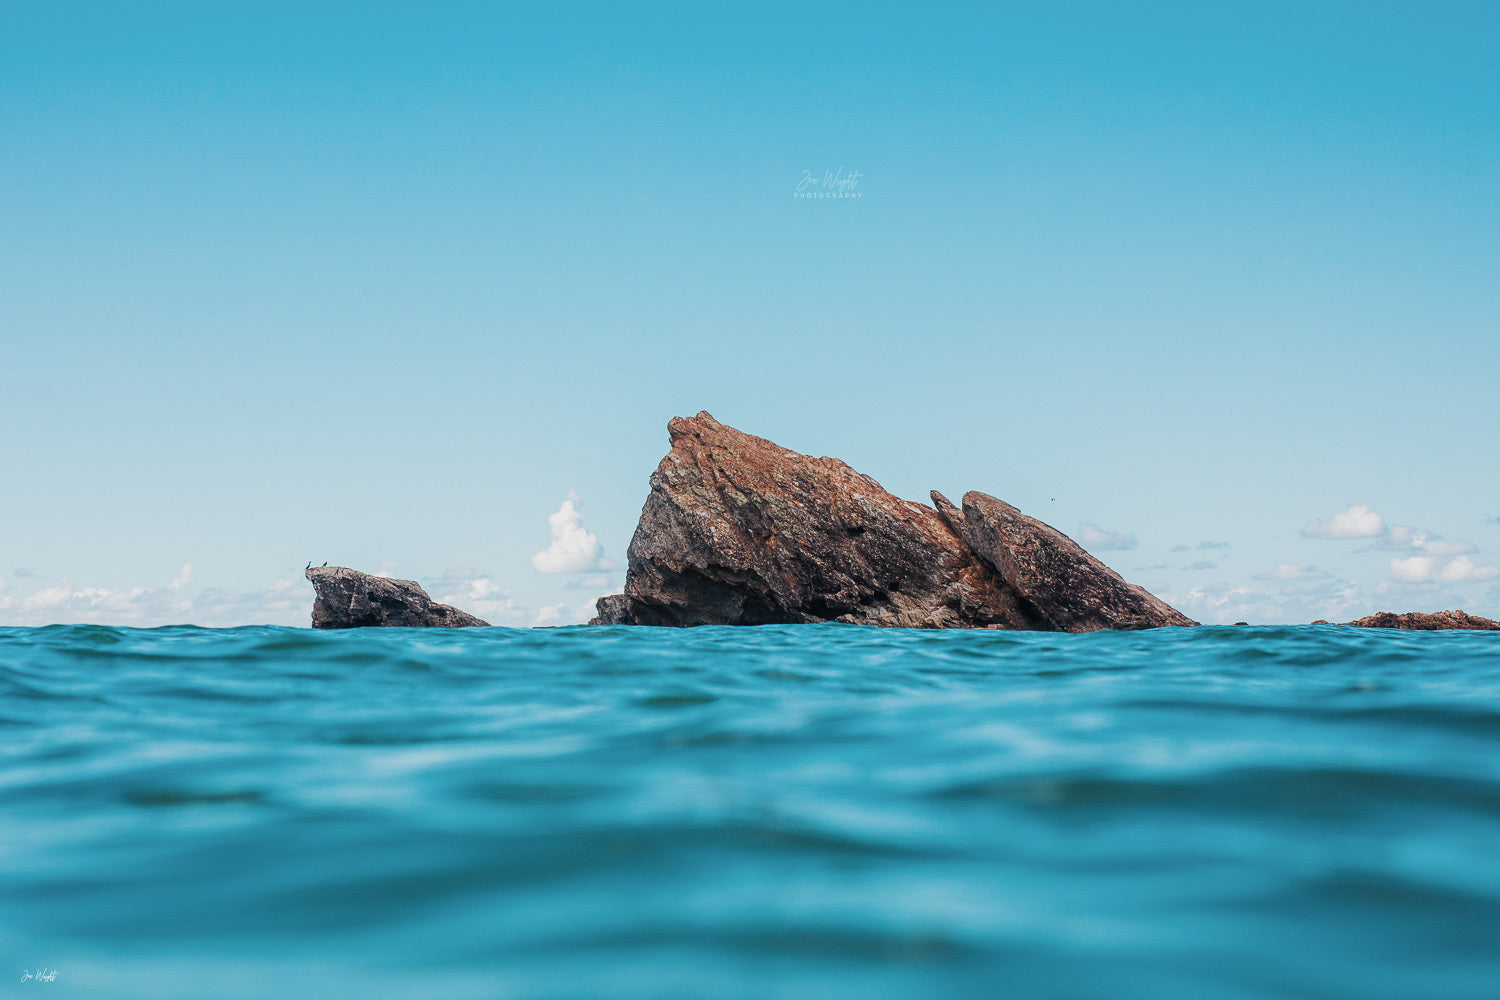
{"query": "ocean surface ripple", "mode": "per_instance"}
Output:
(793, 811)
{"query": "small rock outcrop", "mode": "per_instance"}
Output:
(1427, 623)
(738, 530)
(347, 598)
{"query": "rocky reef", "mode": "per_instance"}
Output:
(347, 598)
(1427, 622)
(738, 530)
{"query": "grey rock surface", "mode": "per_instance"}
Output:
(347, 598)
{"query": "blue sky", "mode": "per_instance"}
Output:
(295, 282)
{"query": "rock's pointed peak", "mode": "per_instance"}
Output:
(703, 431)
(707, 440)
(681, 427)
(946, 509)
(995, 504)
(1029, 529)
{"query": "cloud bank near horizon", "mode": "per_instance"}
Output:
(285, 601)
(1356, 521)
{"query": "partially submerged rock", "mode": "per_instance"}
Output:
(347, 598)
(1069, 589)
(1427, 622)
(738, 530)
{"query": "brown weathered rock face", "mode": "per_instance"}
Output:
(1427, 623)
(347, 598)
(1068, 588)
(740, 531)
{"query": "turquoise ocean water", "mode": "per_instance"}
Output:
(791, 811)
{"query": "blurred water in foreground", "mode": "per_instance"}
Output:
(800, 811)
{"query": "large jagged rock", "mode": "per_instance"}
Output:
(1427, 623)
(738, 530)
(1067, 588)
(347, 598)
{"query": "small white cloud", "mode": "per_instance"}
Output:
(183, 579)
(1404, 538)
(1431, 569)
(594, 581)
(46, 600)
(478, 595)
(551, 614)
(1096, 539)
(1414, 569)
(1330, 598)
(1358, 521)
(574, 548)
(561, 614)
(1215, 599)
(1287, 573)
(1439, 547)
